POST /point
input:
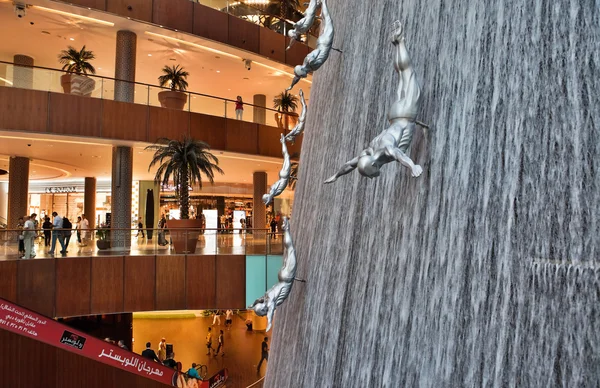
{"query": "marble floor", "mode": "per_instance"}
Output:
(242, 347)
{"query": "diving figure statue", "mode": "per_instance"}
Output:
(277, 294)
(299, 128)
(316, 58)
(303, 25)
(392, 144)
(284, 175)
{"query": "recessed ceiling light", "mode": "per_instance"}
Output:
(99, 68)
(228, 89)
(160, 26)
(218, 71)
(71, 38)
(95, 156)
(149, 55)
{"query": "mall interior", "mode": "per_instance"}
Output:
(77, 146)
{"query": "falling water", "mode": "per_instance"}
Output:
(483, 271)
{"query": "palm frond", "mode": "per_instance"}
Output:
(285, 102)
(174, 77)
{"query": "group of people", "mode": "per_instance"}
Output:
(226, 224)
(168, 359)
(58, 229)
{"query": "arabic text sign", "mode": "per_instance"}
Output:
(30, 324)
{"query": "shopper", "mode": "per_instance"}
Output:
(228, 319)
(273, 225)
(217, 318)
(193, 372)
(162, 349)
(208, 341)
(21, 237)
(170, 362)
(78, 230)
(221, 343)
(264, 352)
(122, 345)
(28, 236)
(149, 353)
(85, 226)
(239, 108)
(68, 231)
(140, 228)
(57, 234)
(47, 226)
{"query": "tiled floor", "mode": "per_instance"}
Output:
(242, 347)
(224, 244)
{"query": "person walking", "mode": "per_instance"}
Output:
(28, 236)
(239, 108)
(208, 341)
(68, 231)
(217, 317)
(228, 319)
(47, 227)
(78, 230)
(57, 234)
(221, 343)
(149, 354)
(84, 227)
(162, 349)
(140, 228)
(273, 225)
(264, 352)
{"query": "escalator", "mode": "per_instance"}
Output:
(40, 352)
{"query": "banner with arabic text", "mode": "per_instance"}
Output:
(33, 325)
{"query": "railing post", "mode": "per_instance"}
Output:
(148, 98)
(102, 89)
(225, 108)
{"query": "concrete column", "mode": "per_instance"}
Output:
(23, 72)
(260, 115)
(259, 210)
(3, 76)
(120, 209)
(125, 66)
(18, 189)
(89, 201)
(3, 202)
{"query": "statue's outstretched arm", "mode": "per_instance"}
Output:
(270, 315)
(401, 157)
(346, 168)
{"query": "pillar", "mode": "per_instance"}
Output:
(120, 208)
(125, 66)
(259, 210)
(89, 201)
(260, 115)
(3, 202)
(18, 189)
(23, 71)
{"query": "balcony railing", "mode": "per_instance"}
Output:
(47, 79)
(259, 16)
(106, 242)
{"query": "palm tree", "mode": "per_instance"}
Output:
(287, 103)
(174, 77)
(186, 161)
(77, 61)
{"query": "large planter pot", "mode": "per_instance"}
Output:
(77, 85)
(184, 239)
(102, 244)
(172, 99)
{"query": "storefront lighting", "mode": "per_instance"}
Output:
(73, 15)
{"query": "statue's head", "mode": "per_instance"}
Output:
(368, 166)
(260, 307)
(300, 71)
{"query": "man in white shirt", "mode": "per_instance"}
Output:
(228, 319)
(28, 235)
(57, 233)
(83, 227)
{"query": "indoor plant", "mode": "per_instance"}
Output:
(174, 78)
(185, 162)
(103, 237)
(76, 64)
(287, 103)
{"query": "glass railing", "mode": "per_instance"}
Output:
(252, 12)
(104, 241)
(46, 79)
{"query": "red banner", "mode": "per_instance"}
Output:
(29, 324)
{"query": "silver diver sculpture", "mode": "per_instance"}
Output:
(316, 58)
(392, 144)
(299, 128)
(284, 175)
(303, 25)
(277, 294)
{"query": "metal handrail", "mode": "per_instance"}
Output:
(152, 86)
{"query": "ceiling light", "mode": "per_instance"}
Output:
(149, 55)
(71, 38)
(192, 44)
(5, 80)
(68, 14)
(218, 71)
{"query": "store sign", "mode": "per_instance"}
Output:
(55, 190)
(172, 188)
(29, 324)
(217, 380)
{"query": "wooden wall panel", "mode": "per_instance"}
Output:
(73, 276)
(124, 121)
(95, 4)
(269, 143)
(8, 282)
(231, 281)
(295, 55)
(201, 282)
(75, 115)
(28, 109)
(210, 129)
(243, 34)
(170, 282)
(272, 45)
(242, 137)
(211, 23)
(176, 14)
(140, 283)
(107, 285)
(35, 285)
(32, 352)
(170, 123)
(140, 9)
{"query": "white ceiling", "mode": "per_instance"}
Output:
(42, 35)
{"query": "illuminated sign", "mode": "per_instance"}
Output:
(56, 190)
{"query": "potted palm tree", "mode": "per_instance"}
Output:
(286, 105)
(185, 162)
(174, 78)
(76, 64)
